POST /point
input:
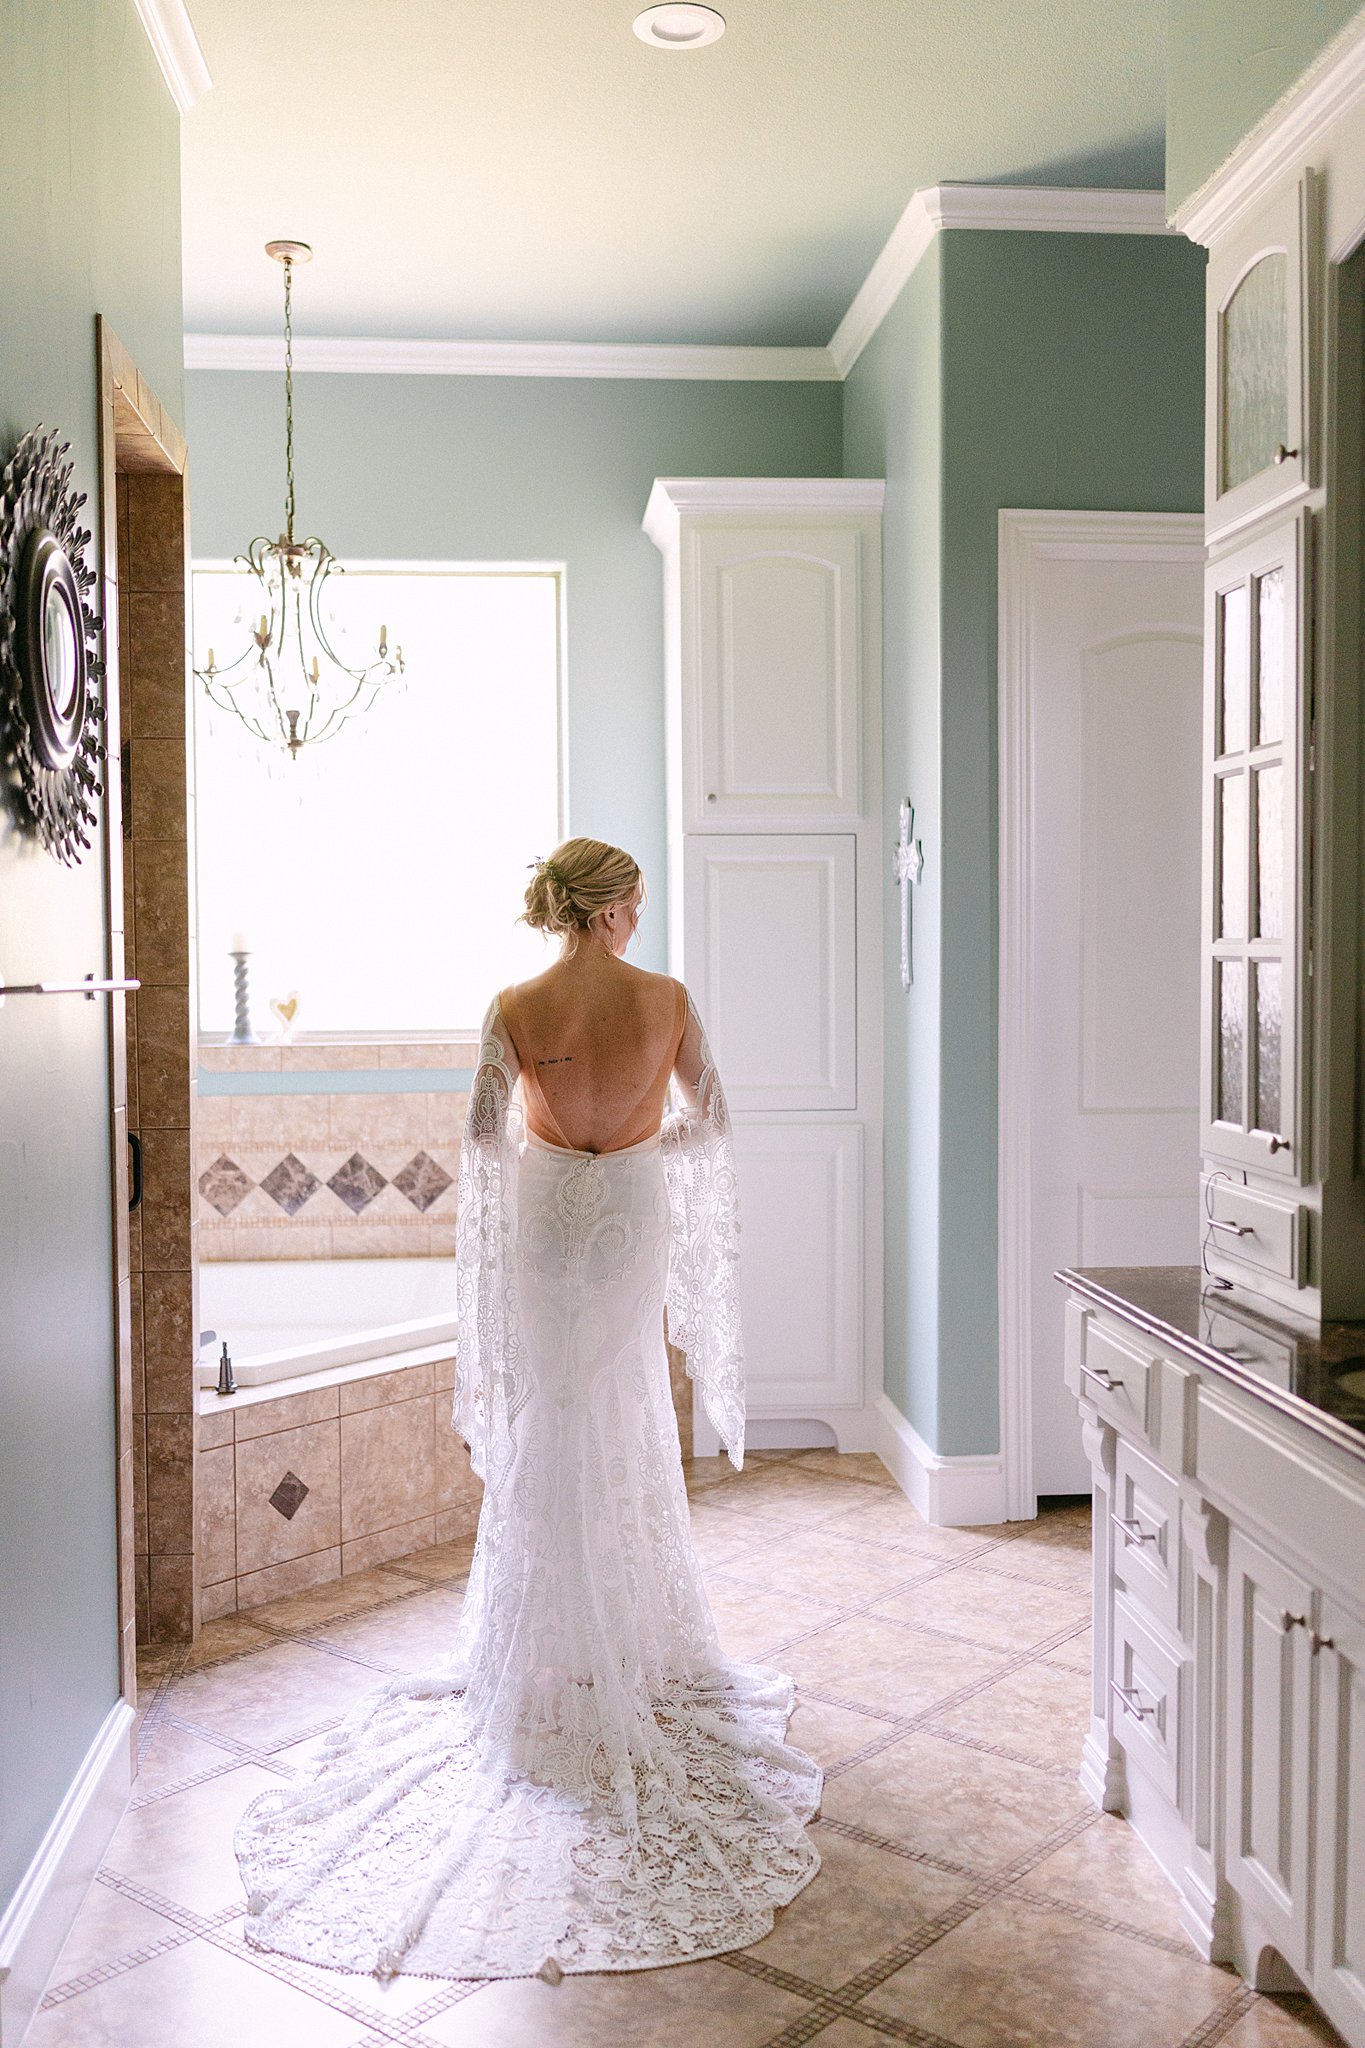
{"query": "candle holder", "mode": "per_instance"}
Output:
(242, 1033)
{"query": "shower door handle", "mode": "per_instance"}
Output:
(134, 1172)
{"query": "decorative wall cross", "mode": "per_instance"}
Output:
(907, 866)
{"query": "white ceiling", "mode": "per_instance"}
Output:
(528, 170)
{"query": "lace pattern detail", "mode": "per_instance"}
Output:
(582, 1779)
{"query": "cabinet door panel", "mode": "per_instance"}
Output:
(1270, 1671)
(1339, 1864)
(771, 957)
(800, 1188)
(780, 673)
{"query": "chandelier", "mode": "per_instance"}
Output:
(289, 686)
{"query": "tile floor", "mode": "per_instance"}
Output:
(970, 1896)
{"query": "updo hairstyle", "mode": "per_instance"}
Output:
(580, 878)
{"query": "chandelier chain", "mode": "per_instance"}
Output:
(289, 397)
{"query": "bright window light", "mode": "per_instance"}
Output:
(379, 875)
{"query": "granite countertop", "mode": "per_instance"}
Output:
(1313, 1372)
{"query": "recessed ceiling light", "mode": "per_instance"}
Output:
(681, 26)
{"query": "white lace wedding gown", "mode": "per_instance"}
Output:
(582, 1780)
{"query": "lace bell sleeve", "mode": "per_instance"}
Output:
(703, 1275)
(487, 1336)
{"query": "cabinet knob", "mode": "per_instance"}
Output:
(1283, 454)
(1288, 1620)
(1322, 1643)
(710, 796)
(1278, 1144)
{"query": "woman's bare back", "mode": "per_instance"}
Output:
(596, 1040)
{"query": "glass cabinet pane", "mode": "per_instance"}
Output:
(1270, 853)
(1269, 1031)
(1231, 1039)
(1255, 371)
(1234, 670)
(1232, 856)
(1270, 658)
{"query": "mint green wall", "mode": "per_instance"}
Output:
(893, 427)
(1040, 371)
(90, 173)
(1227, 62)
(516, 469)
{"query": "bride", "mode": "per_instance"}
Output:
(582, 1780)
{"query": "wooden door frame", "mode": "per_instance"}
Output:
(135, 433)
(1027, 538)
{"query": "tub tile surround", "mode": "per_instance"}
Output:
(335, 1170)
(969, 1896)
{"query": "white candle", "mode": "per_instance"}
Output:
(238, 943)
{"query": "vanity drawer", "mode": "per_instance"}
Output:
(1258, 1230)
(1108, 1370)
(1146, 1518)
(1145, 1687)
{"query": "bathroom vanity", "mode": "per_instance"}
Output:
(1227, 1441)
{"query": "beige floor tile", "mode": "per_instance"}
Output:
(1016, 1976)
(303, 1612)
(701, 1474)
(1044, 1560)
(862, 1902)
(890, 1518)
(1040, 1712)
(824, 1566)
(167, 1755)
(226, 1637)
(1109, 1870)
(181, 1847)
(1283, 2023)
(871, 1661)
(754, 1622)
(108, 1925)
(1075, 1654)
(864, 1466)
(957, 1804)
(394, 1996)
(846, 2034)
(272, 1695)
(696, 2005)
(719, 1537)
(828, 1733)
(786, 1495)
(406, 1634)
(196, 1996)
(442, 1561)
(981, 1607)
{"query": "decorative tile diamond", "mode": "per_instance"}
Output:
(357, 1183)
(289, 1496)
(223, 1185)
(423, 1181)
(291, 1184)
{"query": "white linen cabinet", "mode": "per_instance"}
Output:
(772, 605)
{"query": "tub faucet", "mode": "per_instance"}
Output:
(226, 1383)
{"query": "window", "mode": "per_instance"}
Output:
(379, 875)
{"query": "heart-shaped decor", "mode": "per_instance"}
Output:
(285, 1008)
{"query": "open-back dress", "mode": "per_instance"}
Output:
(581, 1780)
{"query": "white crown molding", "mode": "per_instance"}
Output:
(1018, 209)
(379, 357)
(1291, 130)
(672, 496)
(176, 47)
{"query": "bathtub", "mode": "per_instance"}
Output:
(285, 1318)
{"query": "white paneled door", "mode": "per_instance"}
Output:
(1100, 711)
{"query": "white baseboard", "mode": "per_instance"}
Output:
(39, 1916)
(844, 1429)
(951, 1493)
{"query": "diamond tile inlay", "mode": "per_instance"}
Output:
(223, 1185)
(291, 1184)
(357, 1183)
(289, 1496)
(423, 1181)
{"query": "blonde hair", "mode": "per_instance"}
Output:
(579, 878)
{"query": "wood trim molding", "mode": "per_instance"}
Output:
(176, 48)
(1027, 209)
(376, 356)
(1024, 539)
(672, 496)
(1295, 128)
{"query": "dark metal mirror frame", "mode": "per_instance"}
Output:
(50, 706)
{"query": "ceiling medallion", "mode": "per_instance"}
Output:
(50, 708)
(680, 26)
(289, 686)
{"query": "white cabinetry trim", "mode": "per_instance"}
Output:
(1025, 539)
(38, 1918)
(950, 1492)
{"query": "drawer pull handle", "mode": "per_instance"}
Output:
(1288, 1621)
(1131, 1701)
(1100, 1377)
(1322, 1643)
(1232, 1229)
(1133, 1531)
